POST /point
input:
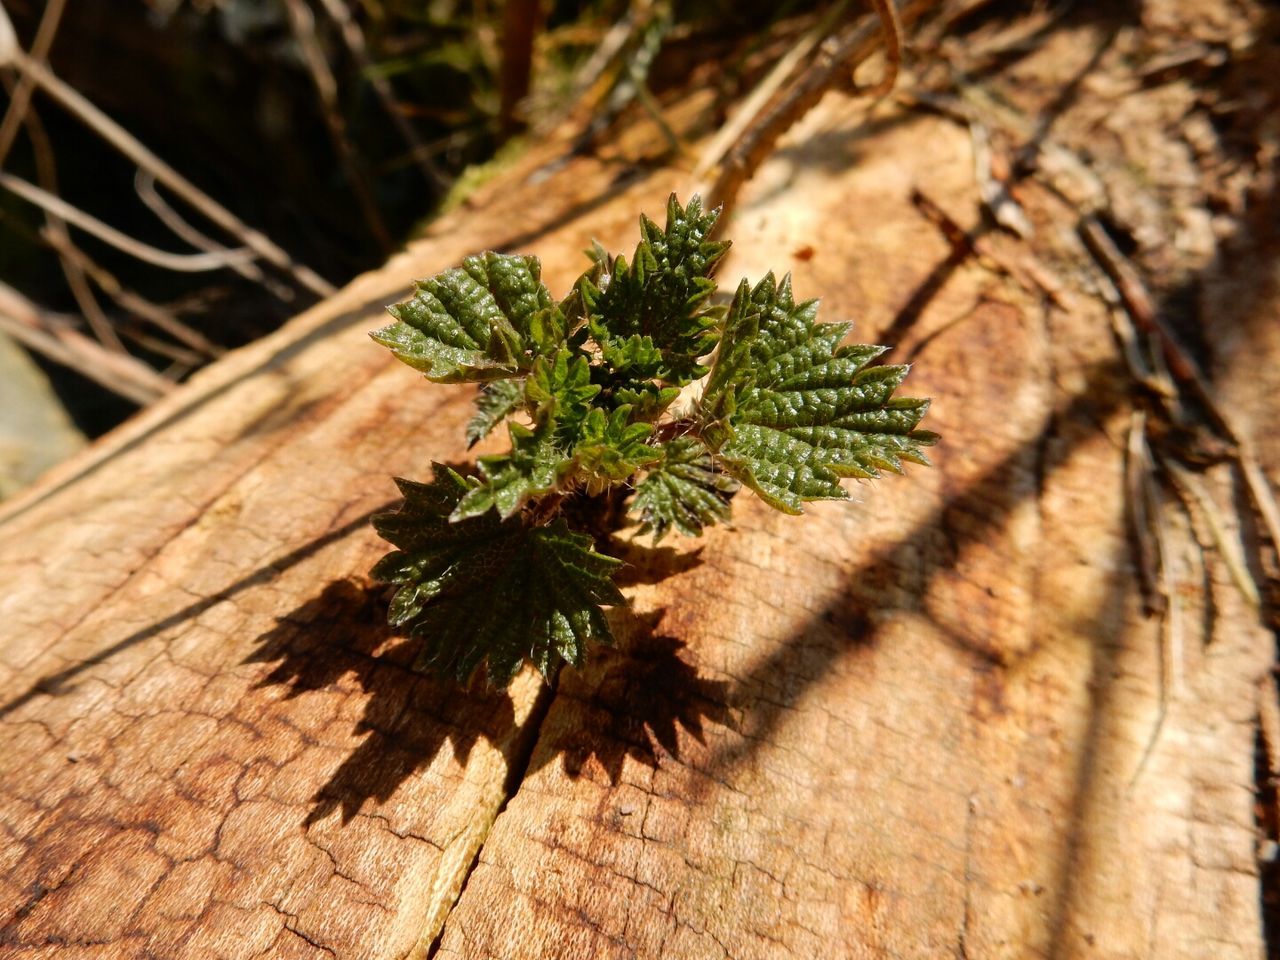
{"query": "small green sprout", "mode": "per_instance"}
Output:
(600, 396)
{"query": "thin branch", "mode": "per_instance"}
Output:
(891, 27)
(1260, 490)
(138, 305)
(1192, 491)
(20, 96)
(59, 237)
(1173, 651)
(607, 51)
(20, 114)
(837, 54)
(1142, 512)
(75, 263)
(1000, 203)
(1181, 365)
(1155, 566)
(765, 90)
(181, 356)
(131, 147)
(179, 262)
(161, 317)
(353, 37)
(52, 336)
(144, 184)
(303, 24)
(651, 25)
(56, 229)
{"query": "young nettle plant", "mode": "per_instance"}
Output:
(599, 392)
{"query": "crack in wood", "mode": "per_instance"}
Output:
(517, 770)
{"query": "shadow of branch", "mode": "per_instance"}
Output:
(56, 684)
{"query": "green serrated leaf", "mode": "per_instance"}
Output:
(661, 294)
(648, 401)
(612, 448)
(548, 329)
(789, 412)
(533, 467)
(494, 402)
(490, 589)
(560, 391)
(684, 491)
(573, 307)
(635, 357)
(486, 320)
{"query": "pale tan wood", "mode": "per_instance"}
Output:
(934, 722)
(191, 659)
(938, 722)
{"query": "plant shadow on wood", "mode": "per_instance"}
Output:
(642, 690)
(635, 699)
(408, 717)
(649, 564)
(903, 574)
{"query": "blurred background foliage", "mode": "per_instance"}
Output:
(335, 127)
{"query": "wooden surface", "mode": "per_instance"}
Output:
(935, 722)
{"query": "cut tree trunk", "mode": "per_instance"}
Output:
(950, 719)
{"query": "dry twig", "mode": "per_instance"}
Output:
(184, 360)
(144, 184)
(303, 24)
(19, 114)
(749, 110)
(1000, 203)
(53, 336)
(610, 48)
(1181, 365)
(837, 54)
(1143, 508)
(891, 28)
(20, 95)
(152, 313)
(1155, 568)
(11, 54)
(58, 235)
(1196, 497)
(353, 37)
(180, 262)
